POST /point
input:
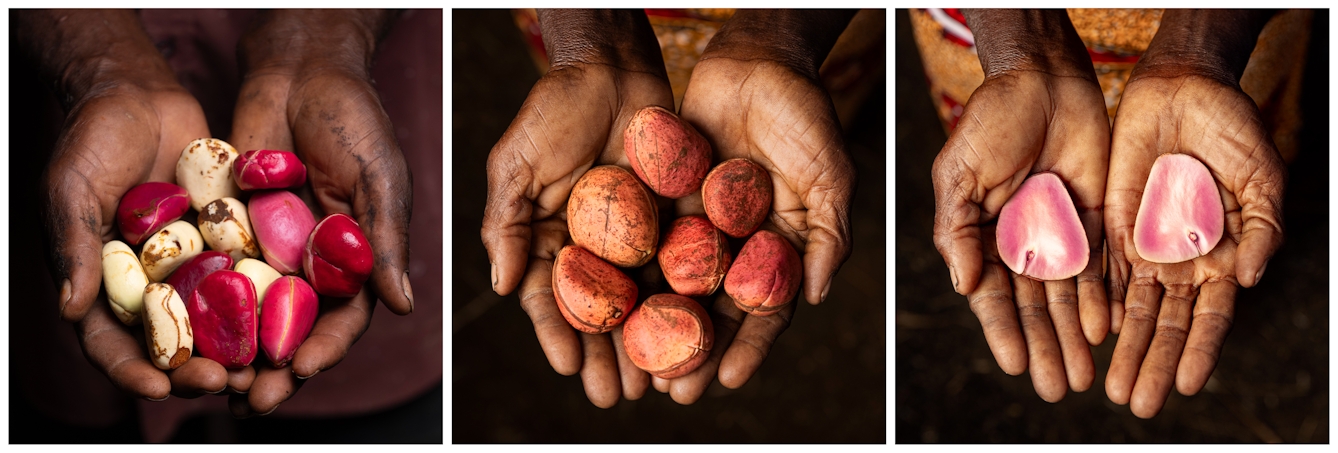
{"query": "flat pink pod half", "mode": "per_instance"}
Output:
(1039, 233)
(1181, 215)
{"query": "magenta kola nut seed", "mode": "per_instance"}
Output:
(149, 207)
(290, 313)
(268, 169)
(223, 318)
(337, 258)
(282, 223)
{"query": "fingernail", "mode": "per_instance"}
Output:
(825, 291)
(1260, 275)
(66, 292)
(271, 411)
(494, 276)
(215, 392)
(159, 399)
(953, 273)
(307, 377)
(408, 290)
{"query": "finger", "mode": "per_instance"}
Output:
(272, 387)
(992, 303)
(74, 223)
(634, 380)
(111, 349)
(1213, 316)
(599, 371)
(336, 329)
(726, 320)
(1133, 149)
(556, 337)
(1140, 319)
(660, 384)
(507, 216)
(1157, 373)
(260, 119)
(199, 376)
(1044, 357)
(240, 380)
(1093, 308)
(1062, 302)
(1261, 211)
(956, 219)
(751, 344)
(828, 243)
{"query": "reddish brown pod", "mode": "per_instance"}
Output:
(666, 152)
(282, 223)
(611, 214)
(668, 336)
(737, 196)
(1181, 215)
(268, 169)
(593, 295)
(148, 207)
(222, 312)
(188, 275)
(694, 256)
(290, 313)
(338, 258)
(1039, 233)
(766, 275)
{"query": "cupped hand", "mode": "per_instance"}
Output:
(314, 97)
(1173, 318)
(1018, 123)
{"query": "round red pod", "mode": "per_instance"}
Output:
(223, 319)
(188, 275)
(666, 152)
(668, 336)
(766, 275)
(149, 207)
(338, 258)
(593, 295)
(268, 169)
(694, 256)
(737, 196)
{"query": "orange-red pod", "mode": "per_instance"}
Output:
(290, 313)
(766, 275)
(694, 256)
(666, 152)
(737, 196)
(611, 214)
(593, 295)
(668, 336)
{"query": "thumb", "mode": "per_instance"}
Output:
(506, 218)
(73, 220)
(956, 225)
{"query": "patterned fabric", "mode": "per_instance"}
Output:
(1115, 39)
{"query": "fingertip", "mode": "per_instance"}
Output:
(240, 380)
(1012, 363)
(1116, 317)
(733, 378)
(1144, 408)
(1117, 390)
(660, 385)
(686, 393)
(1052, 395)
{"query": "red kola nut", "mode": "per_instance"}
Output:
(222, 312)
(737, 196)
(338, 258)
(282, 223)
(290, 313)
(189, 274)
(149, 207)
(694, 256)
(666, 152)
(268, 169)
(668, 335)
(593, 295)
(766, 275)
(611, 214)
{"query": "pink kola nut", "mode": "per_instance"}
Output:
(668, 336)
(283, 224)
(268, 169)
(338, 258)
(189, 275)
(149, 207)
(766, 275)
(593, 295)
(611, 214)
(737, 196)
(694, 256)
(290, 312)
(1181, 215)
(222, 312)
(666, 152)
(1039, 233)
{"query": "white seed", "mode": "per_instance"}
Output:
(261, 274)
(205, 170)
(226, 227)
(171, 246)
(166, 327)
(124, 279)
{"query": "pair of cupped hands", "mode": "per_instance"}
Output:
(306, 88)
(1040, 109)
(755, 93)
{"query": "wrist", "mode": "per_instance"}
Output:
(291, 41)
(1209, 43)
(1028, 40)
(800, 39)
(83, 53)
(619, 38)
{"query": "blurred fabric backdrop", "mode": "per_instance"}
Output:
(825, 379)
(1271, 384)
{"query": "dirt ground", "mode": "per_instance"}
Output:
(1271, 384)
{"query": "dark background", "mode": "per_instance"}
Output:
(824, 381)
(1271, 384)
